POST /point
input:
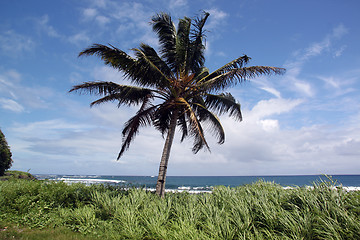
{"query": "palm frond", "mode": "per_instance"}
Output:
(134, 70)
(237, 75)
(162, 117)
(111, 56)
(202, 74)
(196, 58)
(142, 118)
(147, 56)
(215, 125)
(224, 103)
(196, 129)
(124, 94)
(182, 45)
(240, 62)
(183, 126)
(97, 88)
(164, 27)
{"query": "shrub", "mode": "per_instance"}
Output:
(5, 155)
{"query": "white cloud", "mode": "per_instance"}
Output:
(89, 13)
(269, 125)
(14, 44)
(102, 20)
(21, 95)
(330, 81)
(295, 67)
(105, 73)
(304, 87)
(339, 51)
(340, 84)
(11, 105)
(80, 38)
(267, 108)
(100, 3)
(259, 145)
(273, 91)
(348, 147)
(319, 47)
(339, 31)
(44, 25)
(316, 49)
(176, 4)
(48, 128)
(263, 147)
(216, 19)
(130, 21)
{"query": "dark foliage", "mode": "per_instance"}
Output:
(5, 154)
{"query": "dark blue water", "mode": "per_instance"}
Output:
(204, 183)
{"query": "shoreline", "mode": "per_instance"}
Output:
(189, 189)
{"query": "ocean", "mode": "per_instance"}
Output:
(205, 183)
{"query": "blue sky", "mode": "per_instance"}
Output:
(304, 122)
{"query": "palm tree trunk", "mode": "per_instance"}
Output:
(160, 186)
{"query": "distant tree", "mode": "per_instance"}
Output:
(173, 89)
(5, 155)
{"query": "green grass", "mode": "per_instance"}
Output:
(11, 232)
(258, 211)
(11, 175)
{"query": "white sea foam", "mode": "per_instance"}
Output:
(351, 189)
(180, 190)
(88, 180)
(92, 179)
(203, 188)
(348, 189)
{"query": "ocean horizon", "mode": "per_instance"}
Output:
(205, 183)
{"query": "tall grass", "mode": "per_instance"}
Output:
(261, 210)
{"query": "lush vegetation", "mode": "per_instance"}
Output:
(11, 175)
(12, 231)
(258, 211)
(5, 154)
(173, 88)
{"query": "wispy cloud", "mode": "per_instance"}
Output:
(10, 104)
(340, 84)
(217, 18)
(14, 44)
(80, 38)
(339, 52)
(127, 19)
(176, 4)
(318, 48)
(294, 67)
(92, 14)
(44, 25)
(272, 91)
(267, 86)
(274, 106)
(89, 13)
(17, 96)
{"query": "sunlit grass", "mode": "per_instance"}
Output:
(261, 210)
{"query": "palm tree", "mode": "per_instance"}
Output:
(173, 89)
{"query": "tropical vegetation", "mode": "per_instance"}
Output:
(173, 89)
(5, 154)
(13, 174)
(261, 210)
